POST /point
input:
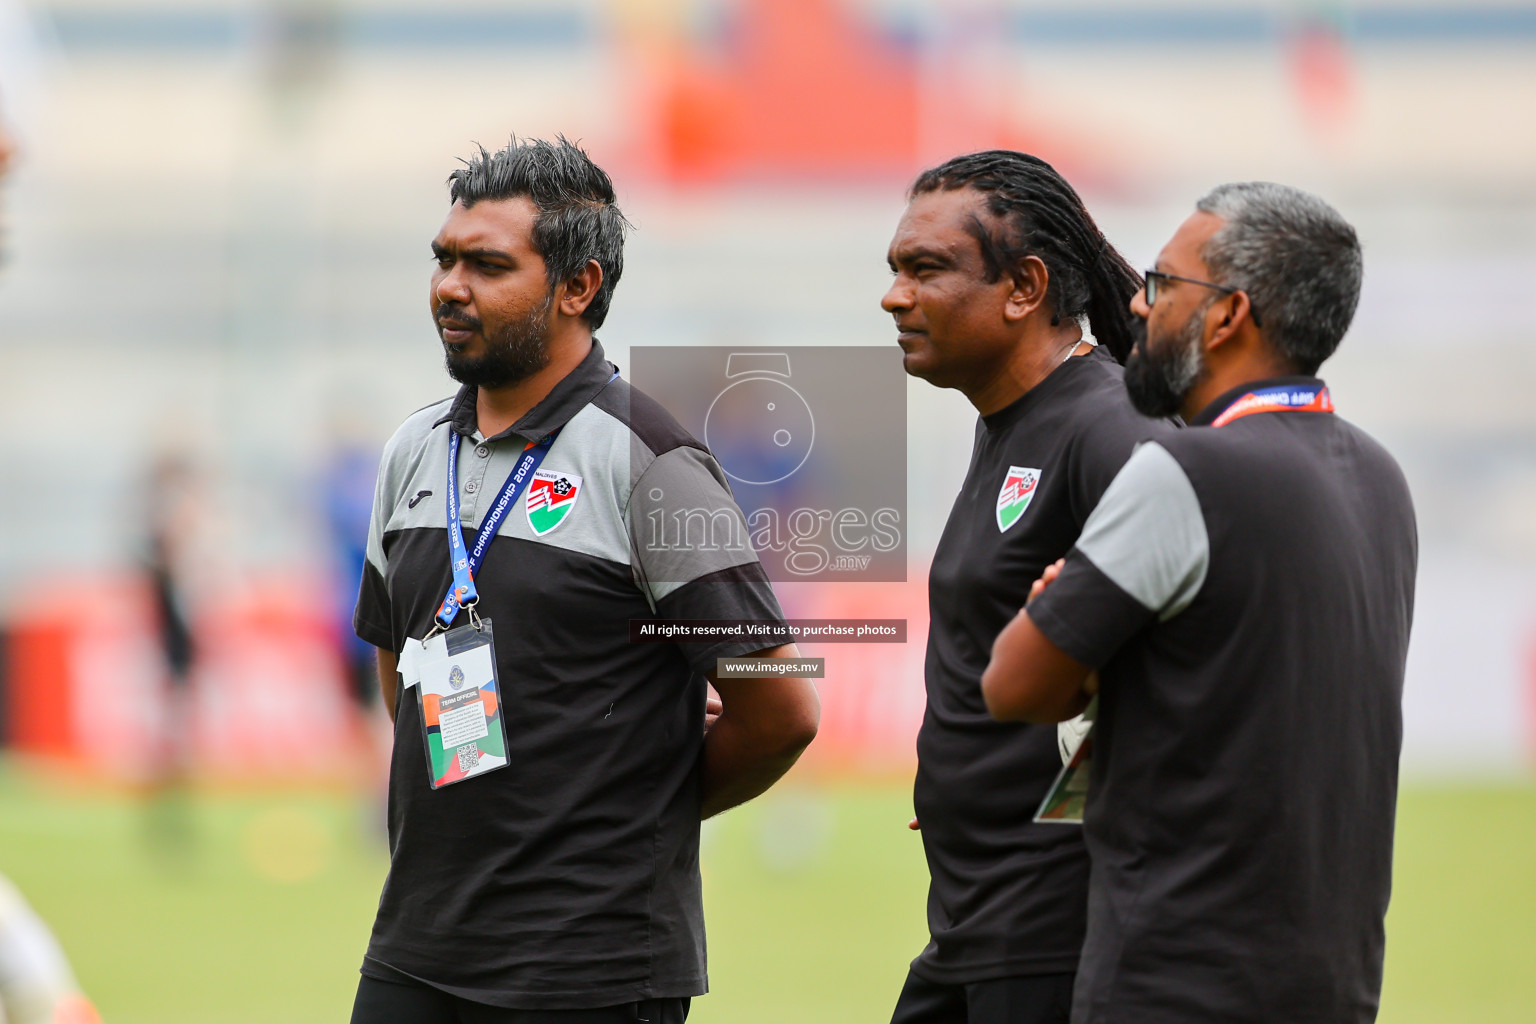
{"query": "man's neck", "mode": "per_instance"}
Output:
(1221, 379)
(496, 409)
(1029, 363)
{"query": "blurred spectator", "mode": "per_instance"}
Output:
(36, 983)
(348, 495)
(7, 158)
(8, 149)
(170, 521)
(348, 491)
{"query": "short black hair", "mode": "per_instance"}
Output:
(1043, 216)
(578, 218)
(1295, 256)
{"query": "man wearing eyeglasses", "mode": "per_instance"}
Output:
(1240, 600)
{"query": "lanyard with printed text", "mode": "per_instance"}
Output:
(461, 592)
(1280, 398)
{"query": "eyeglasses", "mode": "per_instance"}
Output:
(1156, 277)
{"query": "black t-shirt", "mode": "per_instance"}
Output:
(1245, 591)
(1007, 896)
(570, 878)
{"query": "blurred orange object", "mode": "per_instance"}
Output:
(1323, 74)
(811, 90)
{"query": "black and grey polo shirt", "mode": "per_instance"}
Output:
(570, 878)
(1245, 591)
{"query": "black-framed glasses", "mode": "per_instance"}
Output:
(1154, 277)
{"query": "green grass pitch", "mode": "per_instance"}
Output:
(814, 901)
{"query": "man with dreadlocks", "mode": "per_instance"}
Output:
(997, 265)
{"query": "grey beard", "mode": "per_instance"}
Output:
(1158, 381)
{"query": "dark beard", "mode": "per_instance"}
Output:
(1158, 380)
(516, 351)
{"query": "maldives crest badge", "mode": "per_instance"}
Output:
(1018, 491)
(551, 496)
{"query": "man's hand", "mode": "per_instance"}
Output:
(913, 825)
(712, 709)
(761, 728)
(1046, 579)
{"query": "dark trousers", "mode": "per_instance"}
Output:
(1037, 999)
(404, 1002)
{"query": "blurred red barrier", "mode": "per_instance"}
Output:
(88, 685)
(872, 698)
(38, 654)
(267, 698)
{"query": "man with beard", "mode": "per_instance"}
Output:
(997, 265)
(544, 860)
(1244, 592)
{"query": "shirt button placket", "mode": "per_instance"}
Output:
(474, 479)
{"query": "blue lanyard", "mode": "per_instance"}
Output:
(461, 592)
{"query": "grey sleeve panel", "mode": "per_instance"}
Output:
(375, 549)
(1148, 535)
(403, 455)
(683, 523)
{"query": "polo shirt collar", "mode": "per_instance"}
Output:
(1208, 415)
(574, 392)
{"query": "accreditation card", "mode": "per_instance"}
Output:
(461, 713)
(1064, 802)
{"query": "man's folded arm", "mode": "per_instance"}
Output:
(1142, 557)
(1030, 679)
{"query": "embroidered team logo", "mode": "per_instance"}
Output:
(1018, 491)
(551, 496)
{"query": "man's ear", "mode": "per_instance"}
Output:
(1229, 318)
(576, 294)
(1030, 280)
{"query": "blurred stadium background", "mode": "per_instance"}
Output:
(216, 244)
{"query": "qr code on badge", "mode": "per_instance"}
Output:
(469, 757)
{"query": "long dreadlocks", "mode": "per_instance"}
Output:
(1039, 214)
